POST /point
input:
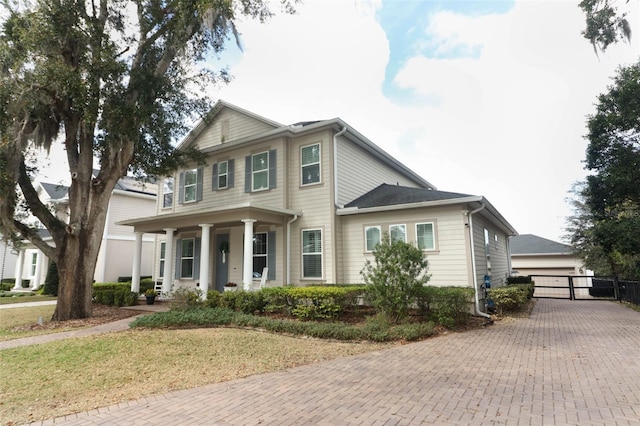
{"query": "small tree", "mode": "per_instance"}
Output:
(396, 279)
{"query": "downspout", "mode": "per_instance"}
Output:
(295, 217)
(335, 165)
(473, 261)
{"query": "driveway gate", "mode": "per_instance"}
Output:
(575, 287)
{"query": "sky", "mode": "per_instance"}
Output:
(478, 97)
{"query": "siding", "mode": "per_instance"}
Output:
(239, 126)
(359, 172)
(122, 207)
(497, 252)
(447, 264)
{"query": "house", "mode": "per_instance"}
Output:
(8, 259)
(307, 203)
(533, 255)
(129, 199)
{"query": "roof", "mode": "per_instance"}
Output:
(55, 191)
(532, 244)
(389, 195)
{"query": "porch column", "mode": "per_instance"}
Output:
(205, 247)
(36, 278)
(168, 261)
(247, 261)
(19, 267)
(137, 256)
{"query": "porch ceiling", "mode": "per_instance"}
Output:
(219, 217)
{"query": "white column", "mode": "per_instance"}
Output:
(247, 261)
(137, 257)
(36, 278)
(205, 246)
(168, 261)
(19, 268)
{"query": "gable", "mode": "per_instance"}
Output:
(226, 123)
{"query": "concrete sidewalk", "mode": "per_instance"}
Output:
(570, 363)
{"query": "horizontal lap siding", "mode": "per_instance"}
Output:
(447, 265)
(240, 126)
(122, 207)
(359, 172)
(498, 255)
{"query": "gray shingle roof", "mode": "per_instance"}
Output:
(55, 191)
(532, 244)
(389, 195)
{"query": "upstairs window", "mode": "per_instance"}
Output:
(310, 162)
(372, 235)
(223, 174)
(190, 185)
(398, 233)
(260, 171)
(167, 193)
(425, 236)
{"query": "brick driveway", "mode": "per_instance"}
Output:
(570, 363)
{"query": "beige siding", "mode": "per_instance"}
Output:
(359, 172)
(498, 255)
(238, 126)
(547, 265)
(126, 206)
(119, 259)
(447, 263)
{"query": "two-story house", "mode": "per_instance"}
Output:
(307, 203)
(129, 199)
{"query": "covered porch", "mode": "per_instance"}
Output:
(207, 248)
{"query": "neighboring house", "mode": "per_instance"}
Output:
(8, 259)
(533, 255)
(307, 203)
(129, 199)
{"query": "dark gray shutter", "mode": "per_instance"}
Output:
(196, 259)
(247, 173)
(272, 169)
(214, 177)
(230, 173)
(271, 255)
(199, 183)
(178, 257)
(181, 189)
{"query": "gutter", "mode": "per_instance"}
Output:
(295, 217)
(335, 166)
(473, 262)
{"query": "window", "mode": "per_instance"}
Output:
(398, 233)
(425, 237)
(187, 252)
(260, 253)
(372, 237)
(34, 263)
(167, 193)
(312, 253)
(487, 251)
(163, 248)
(310, 164)
(223, 174)
(190, 185)
(260, 171)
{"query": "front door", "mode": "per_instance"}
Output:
(222, 261)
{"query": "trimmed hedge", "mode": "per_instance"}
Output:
(114, 294)
(7, 284)
(313, 302)
(511, 297)
(447, 306)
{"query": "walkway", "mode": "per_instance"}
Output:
(570, 363)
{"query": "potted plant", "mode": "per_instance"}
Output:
(150, 294)
(230, 287)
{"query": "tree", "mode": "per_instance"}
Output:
(115, 80)
(606, 224)
(396, 279)
(605, 25)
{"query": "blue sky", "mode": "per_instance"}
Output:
(479, 97)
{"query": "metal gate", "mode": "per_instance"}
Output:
(575, 287)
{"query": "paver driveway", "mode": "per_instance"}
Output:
(570, 363)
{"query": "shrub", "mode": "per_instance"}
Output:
(214, 299)
(52, 280)
(317, 302)
(509, 298)
(447, 306)
(248, 302)
(146, 284)
(527, 288)
(185, 298)
(114, 294)
(7, 284)
(396, 280)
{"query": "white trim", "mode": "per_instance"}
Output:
(194, 185)
(193, 258)
(319, 163)
(405, 231)
(302, 253)
(433, 234)
(379, 228)
(253, 172)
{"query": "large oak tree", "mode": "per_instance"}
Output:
(114, 80)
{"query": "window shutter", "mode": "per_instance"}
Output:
(272, 169)
(199, 183)
(230, 174)
(247, 173)
(214, 177)
(271, 255)
(178, 257)
(181, 189)
(196, 259)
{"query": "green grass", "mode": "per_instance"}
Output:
(25, 297)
